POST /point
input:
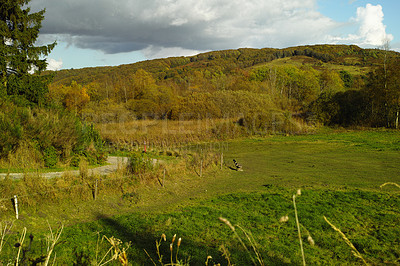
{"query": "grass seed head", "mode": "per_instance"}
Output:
(179, 241)
(225, 221)
(310, 240)
(284, 219)
(163, 236)
(173, 239)
(298, 193)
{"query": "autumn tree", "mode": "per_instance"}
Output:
(143, 81)
(19, 30)
(384, 91)
(331, 82)
(76, 98)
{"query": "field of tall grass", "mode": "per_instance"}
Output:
(340, 215)
(167, 133)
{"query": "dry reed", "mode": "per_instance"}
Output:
(298, 226)
(117, 254)
(355, 252)
(253, 243)
(19, 244)
(52, 240)
(226, 221)
(171, 249)
(390, 183)
(3, 231)
(226, 254)
(131, 135)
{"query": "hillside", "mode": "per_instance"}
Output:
(324, 83)
(337, 56)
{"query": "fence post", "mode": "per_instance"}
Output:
(95, 189)
(201, 168)
(163, 180)
(16, 206)
(222, 159)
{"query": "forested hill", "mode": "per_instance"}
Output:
(233, 83)
(227, 61)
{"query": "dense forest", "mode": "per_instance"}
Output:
(327, 84)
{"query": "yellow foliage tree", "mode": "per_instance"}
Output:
(142, 81)
(76, 98)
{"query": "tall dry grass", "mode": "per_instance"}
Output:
(255, 256)
(130, 135)
(173, 258)
(164, 133)
(34, 190)
(25, 157)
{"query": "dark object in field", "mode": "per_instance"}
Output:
(238, 166)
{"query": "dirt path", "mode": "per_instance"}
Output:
(112, 165)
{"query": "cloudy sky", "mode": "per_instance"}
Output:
(112, 32)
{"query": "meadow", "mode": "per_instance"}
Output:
(180, 122)
(334, 174)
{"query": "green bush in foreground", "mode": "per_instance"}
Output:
(55, 134)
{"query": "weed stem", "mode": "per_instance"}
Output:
(298, 229)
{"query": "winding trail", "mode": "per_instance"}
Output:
(112, 166)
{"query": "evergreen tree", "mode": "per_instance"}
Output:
(19, 30)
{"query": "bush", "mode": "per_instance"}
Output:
(25, 156)
(75, 160)
(270, 122)
(139, 163)
(54, 133)
(50, 157)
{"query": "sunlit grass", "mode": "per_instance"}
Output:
(340, 174)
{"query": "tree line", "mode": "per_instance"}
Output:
(332, 85)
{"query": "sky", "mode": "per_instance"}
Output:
(92, 33)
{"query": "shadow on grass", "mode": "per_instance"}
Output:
(143, 239)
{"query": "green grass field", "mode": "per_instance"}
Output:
(339, 175)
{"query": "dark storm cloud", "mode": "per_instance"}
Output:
(115, 26)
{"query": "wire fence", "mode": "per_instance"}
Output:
(87, 184)
(92, 183)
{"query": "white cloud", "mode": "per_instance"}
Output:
(371, 30)
(53, 64)
(153, 52)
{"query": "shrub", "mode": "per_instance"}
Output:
(75, 160)
(139, 163)
(270, 122)
(90, 144)
(54, 134)
(50, 157)
(26, 156)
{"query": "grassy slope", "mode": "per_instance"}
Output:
(339, 173)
